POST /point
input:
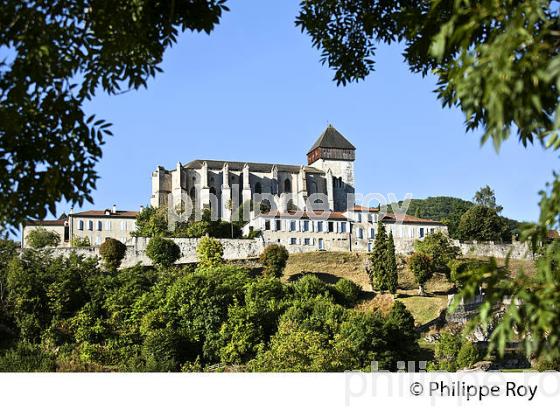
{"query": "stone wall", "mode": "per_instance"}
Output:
(236, 249)
(136, 252)
(518, 250)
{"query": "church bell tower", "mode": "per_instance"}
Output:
(335, 155)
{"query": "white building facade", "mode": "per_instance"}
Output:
(93, 225)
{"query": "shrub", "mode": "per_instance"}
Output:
(274, 259)
(421, 266)
(458, 268)
(295, 349)
(210, 252)
(112, 252)
(80, 242)
(163, 252)
(453, 352)
(161, 349)
(310, 286)
(26, 358)
(347, 292)
(42, 238)
(446, 351)
(438, 247)
(468, 355)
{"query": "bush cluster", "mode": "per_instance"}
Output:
(66, 314)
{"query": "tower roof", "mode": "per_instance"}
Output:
(331, 138)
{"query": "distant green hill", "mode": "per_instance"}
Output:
(448, 210)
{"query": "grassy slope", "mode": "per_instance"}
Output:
(331, 266)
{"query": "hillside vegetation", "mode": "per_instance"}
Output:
(449, 211)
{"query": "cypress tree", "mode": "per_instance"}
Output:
(391, 266)
(377, 272)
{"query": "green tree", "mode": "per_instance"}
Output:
(42, 238)
(274, 258)
(377, 268)
(80, 242)
(485, 196)
(498, 63)
(392, 274)
(446, 351)
(295, 349)
(210, 252)
(468, 355)
(59, 58)
(348, 292)
(163, 252)
(422, 267)
(151, 222)
(8, 251)
(482, 224)
(112, 252)
(438, 247)
(453, 352)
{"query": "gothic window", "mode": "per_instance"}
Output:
(192, 194)
(313, 187)
(287, 186)
(258, 188)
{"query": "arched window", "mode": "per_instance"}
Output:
(313, 187)
(192, 194)
(287, 186)
(258, 188)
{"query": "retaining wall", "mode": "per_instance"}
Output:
(235, 249)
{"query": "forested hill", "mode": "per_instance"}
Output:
(446, 209)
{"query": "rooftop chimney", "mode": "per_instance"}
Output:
(114, 208)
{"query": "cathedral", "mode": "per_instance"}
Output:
(213, 184)
(300, 223)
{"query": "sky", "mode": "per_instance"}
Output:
(254, 90)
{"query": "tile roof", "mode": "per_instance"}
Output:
(253, 166)
(360, 208)
(50, 222)
(553, 234)
(107, 213)
(390, 218)
(331, 138)
(305, 215)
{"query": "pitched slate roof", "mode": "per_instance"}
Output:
(331, 138)
(253, 166)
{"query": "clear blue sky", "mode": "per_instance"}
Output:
(254, 90)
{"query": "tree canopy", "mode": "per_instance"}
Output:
(56, 56)
(496, 61)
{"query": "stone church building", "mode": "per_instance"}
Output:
(329, 172)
